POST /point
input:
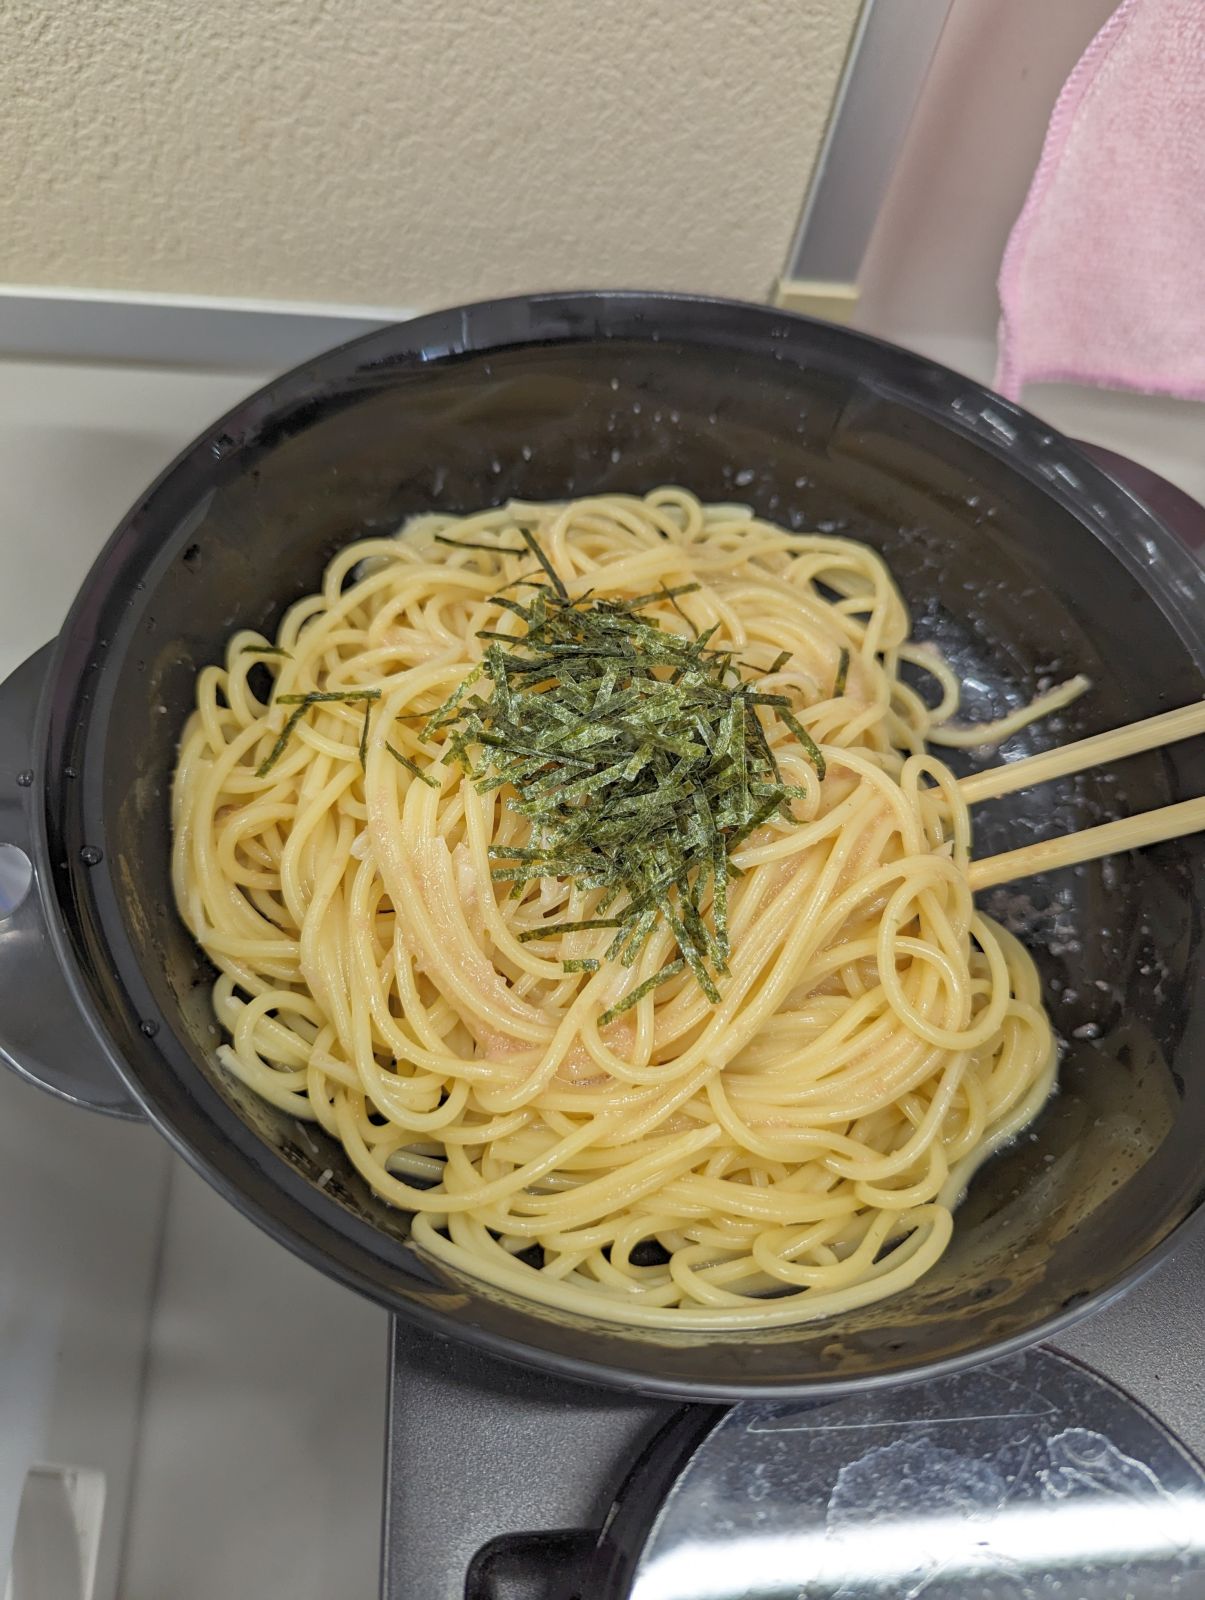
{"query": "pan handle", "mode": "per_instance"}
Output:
(43, 1034)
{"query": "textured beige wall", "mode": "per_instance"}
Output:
(391, 152)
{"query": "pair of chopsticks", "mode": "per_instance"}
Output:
(1110, 838)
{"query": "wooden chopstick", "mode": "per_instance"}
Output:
(1167, 728)
(1110, 838)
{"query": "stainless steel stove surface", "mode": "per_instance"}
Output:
(1036, 1478)
(482, 1452)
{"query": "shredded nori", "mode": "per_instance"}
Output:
(639, 992)
(411, 766)
(640, 757)
(320, 696)
(364, 734)
(278, 749)
(491, 549)
(842, 674)
(301, 704)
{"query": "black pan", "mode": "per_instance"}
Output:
(1022, 559)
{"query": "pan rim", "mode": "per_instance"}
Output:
(458, 332)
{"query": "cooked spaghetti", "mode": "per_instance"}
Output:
(586, 874)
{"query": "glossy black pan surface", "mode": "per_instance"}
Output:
(1020, 558)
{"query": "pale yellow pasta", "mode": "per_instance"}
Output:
(794, 1150)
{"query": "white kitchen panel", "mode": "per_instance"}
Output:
(81, 1219)
(263, 1437)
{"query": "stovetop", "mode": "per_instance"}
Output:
(498, 1479)
(481, 1451)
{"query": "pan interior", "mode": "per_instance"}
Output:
(1005, 571)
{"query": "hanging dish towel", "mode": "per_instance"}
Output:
(1103, 280)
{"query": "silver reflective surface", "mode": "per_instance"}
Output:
(16, 878)
(889, 59)
(43, 1035)
(1032, 1479)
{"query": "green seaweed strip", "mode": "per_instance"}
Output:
(364, 734)
(555, 928)
(490, 549)
(719, 898)
(640, 757)
(639, 992)
(810, 747)
(453, 700)
(411, 766)
(533, 545)
(842, 674)
(664, 593)
(278, 749)
(324, 696)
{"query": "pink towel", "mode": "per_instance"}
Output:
(1103, 280)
